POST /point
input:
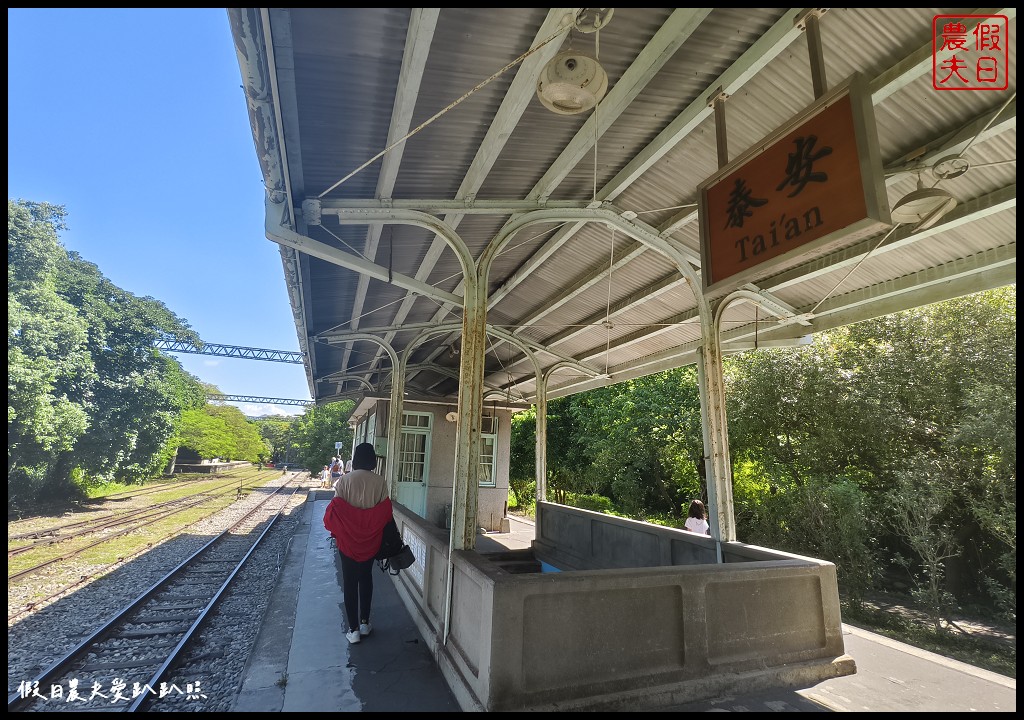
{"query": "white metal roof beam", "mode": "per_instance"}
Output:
(996, 202)
(468, 206)
(965, 213)
(766, 48)
(986, 271)
(517, 99)
(968, 212)
(896, 76)
(287, 237)
(617, 308)
(679, 26)
(422, 23)
(619, 260)
(983, 271)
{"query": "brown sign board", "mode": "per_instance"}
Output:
(814, 185)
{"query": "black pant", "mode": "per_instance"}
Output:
(357, 585)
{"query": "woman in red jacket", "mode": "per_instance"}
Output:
(356, 518)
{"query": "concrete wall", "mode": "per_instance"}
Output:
(621, 637)
(575, 539)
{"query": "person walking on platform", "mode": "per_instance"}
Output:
(356, 518)
(336, 469)
(697, 519)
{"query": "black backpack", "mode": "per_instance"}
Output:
(394, 555)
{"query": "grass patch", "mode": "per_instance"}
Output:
(137, 540)
(995, 656)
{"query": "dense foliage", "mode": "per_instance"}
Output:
(88, 397)
(887, 447)
(317, 429)
(221, 431)
(277, 434)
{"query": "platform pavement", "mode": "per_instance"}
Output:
(302, 663)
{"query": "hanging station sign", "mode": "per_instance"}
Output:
(814, 185)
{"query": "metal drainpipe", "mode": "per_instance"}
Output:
(465, 486)
(716, 429)
(541, 444)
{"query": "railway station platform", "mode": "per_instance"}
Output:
(302, 662)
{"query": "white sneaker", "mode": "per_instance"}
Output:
(353, 637)
(365, 628)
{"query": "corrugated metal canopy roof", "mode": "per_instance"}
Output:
(330, 90)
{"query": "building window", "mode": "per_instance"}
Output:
(414, 452)
(371, 429)
(488, 445)
(416, 420)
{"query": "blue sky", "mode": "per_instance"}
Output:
(135, 121)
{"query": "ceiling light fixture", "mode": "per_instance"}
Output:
(923, 207)
(590, 20)
(572, 82)
(951, 167)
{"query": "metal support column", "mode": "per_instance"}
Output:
(717, 463)
(808, 22)
(395, 410)
(471, 408)
(541, 445)
(717, 102)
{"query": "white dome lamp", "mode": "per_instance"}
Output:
(571, 83)
(574, 82)
(923, 207)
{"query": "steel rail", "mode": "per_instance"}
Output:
(162, 516)
(83, 527)
(17, 701)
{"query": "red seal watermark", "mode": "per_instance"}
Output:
(970, 52)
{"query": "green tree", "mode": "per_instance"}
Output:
(919, 514)
(88, 395)
(522, 472)
(249, 444)
(207, 434)
(278, 435)
(637, 442)
(867, 404)
(221, 431)
(318, 428)
(48, 362)
(131, 405)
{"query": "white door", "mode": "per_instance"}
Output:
(414, 462)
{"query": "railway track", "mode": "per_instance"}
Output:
(123, 665)
(40, 590)
(134, 517)
(131, 495)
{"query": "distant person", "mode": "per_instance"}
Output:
(697, 519)
(325, 477)
(337, 469)
(356, 518)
